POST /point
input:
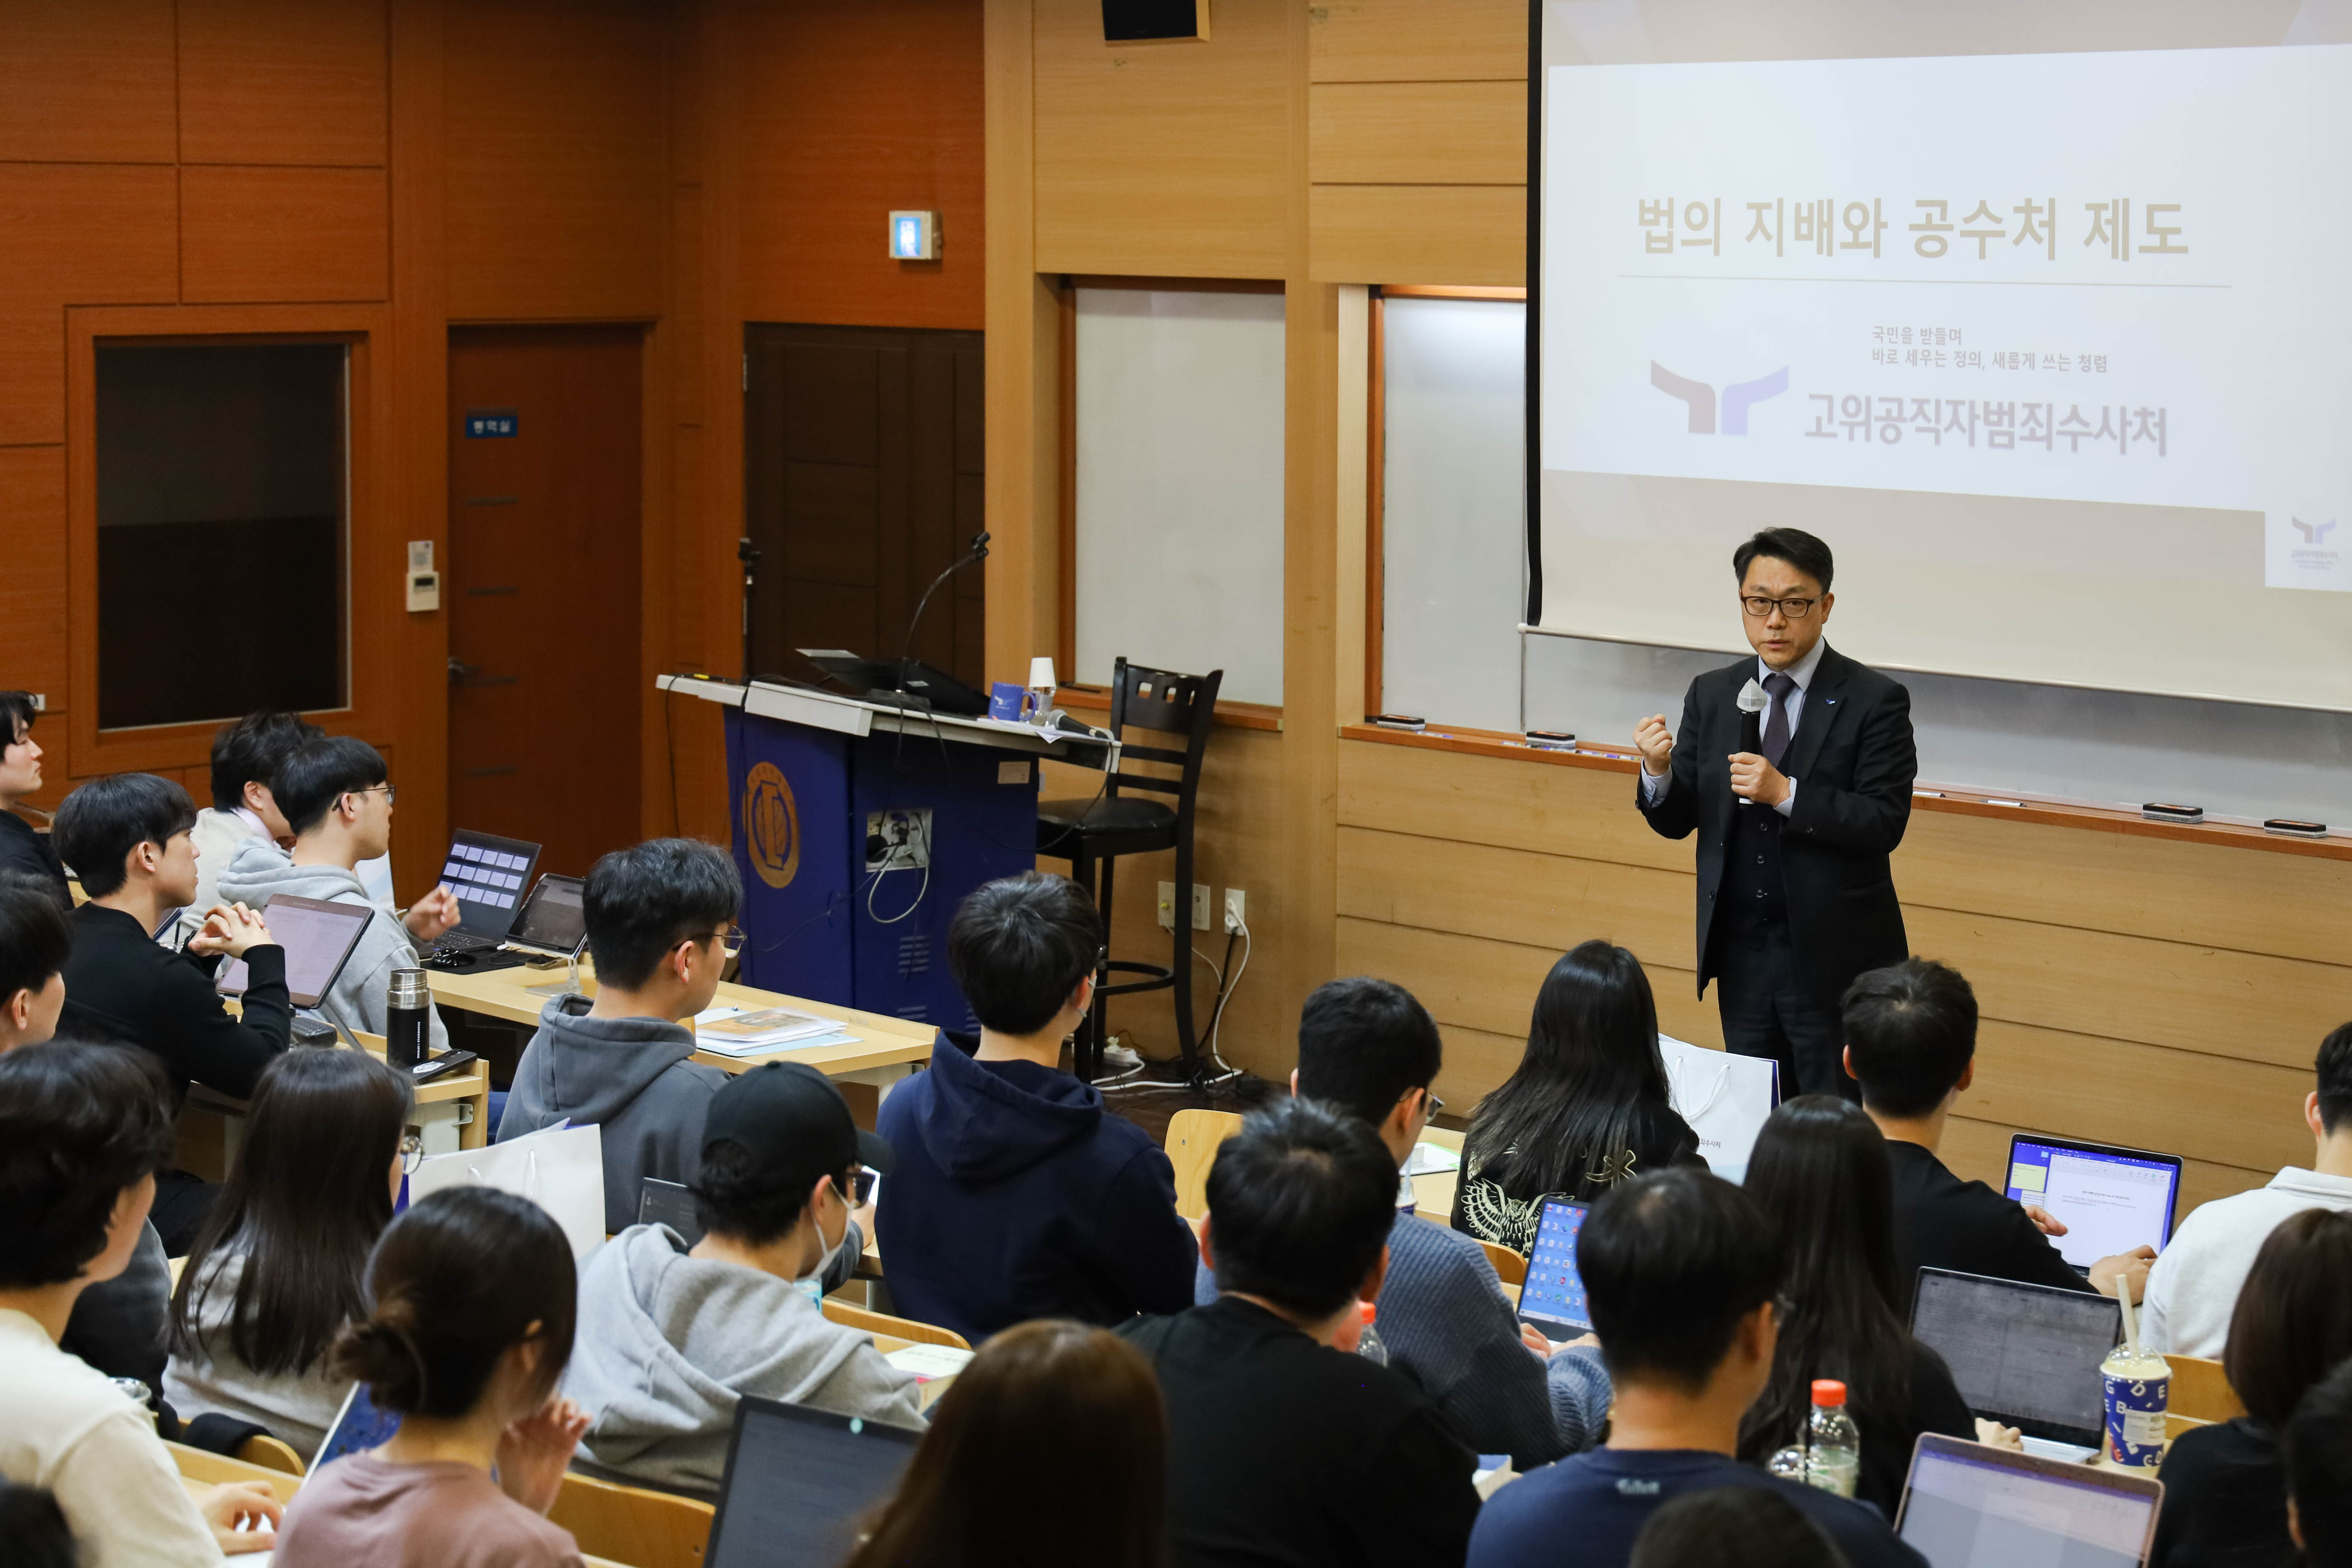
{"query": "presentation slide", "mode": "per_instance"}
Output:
(2050, 344)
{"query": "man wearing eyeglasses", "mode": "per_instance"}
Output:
(1794, 768)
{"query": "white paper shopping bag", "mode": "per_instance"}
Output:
(561, 1169)
(1725, 1096)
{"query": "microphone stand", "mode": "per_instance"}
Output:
(978, 551)
(749, 555)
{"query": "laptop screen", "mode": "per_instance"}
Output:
(488, 875)
(800, 1482)
(2025, 1355)
(554, 918)
(1553, 1296)
(318, 935)
(2111, 1200)
(1972, 1507)
(359, 1425)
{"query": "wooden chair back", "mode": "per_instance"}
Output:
(633, 1525)
(850, 1317)
(197, 1465)
(270, 1453)
(1193, 1137)
(2201, 1392)
(1509, 1265)
(1166, 701)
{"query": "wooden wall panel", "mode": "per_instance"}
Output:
(87, 82)
(557, 160)
(1420, 234)
(1418, 133)
(284, 235)
(1412, 40)
(1585, 812)
(283, 82)
(33, 588)
(884, 113)
(1515, 895)
(1163, 159)
(72, 234)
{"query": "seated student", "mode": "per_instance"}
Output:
(2318, 1450)
(82, 1129)
(472, 1299)
(276, 1274)
(1586, 1106)
(116, 1324)
(21, 848)
(1366, 1047)
(1819, 1173)
(1681, 1269)
(245, 755)
(658, 915)
(335, 795)
(671, 1338)
(1015, 1196)
(1911, 1042)
(1733, 1527)
(35, 942)
(1046, 1399)
(2224, 1485)
(126, 835)
(1283, 1446)
(2194, 1287)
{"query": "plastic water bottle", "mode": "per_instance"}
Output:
(1368, 1344)
(1833, 1461)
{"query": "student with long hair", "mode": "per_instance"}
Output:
(1050, 1398)
(275, 1273)
(1819, 1173)
(2225, 1486)
(474, 1302)
(1585, 1109)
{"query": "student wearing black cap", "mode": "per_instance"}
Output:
(671, 1337)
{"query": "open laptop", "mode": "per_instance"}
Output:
(318, 935)
(553, 923)
(2111, 1200)
(1968, 1506)
(490, 875)
(1553, 1298)
(798, 1484)
(2024, 1356)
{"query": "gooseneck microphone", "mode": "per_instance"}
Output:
(977, 552)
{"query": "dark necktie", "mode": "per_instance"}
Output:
(1776, 723)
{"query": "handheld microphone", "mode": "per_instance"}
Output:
(978, 551)
(1751, 733)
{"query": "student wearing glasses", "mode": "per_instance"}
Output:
(661, 927)
(336, 794)
(1795, 898)
(276, 1272)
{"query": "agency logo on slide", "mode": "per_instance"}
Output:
(1738, 398)
(2314, 533)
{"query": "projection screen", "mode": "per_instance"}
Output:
(2040, 311)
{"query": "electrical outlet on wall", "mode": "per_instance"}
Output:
(1166, 914)
(1201, 906)
(1236, 910)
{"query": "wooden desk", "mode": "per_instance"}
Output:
(453, 1111)
(882, 1050)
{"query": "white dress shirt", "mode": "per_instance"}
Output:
(1801, 672)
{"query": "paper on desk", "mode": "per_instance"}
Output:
(768, 1026)
(1427, 1159)
(927, 1362)
(762, 1047)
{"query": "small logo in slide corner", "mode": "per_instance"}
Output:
(2313, 533)
(1738, 398)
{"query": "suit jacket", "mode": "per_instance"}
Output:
(1853, 761)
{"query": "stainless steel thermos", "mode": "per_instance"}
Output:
(408, 1015)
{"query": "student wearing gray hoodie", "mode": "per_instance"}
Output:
(335, 794)
(661, 926)
(671, 1338)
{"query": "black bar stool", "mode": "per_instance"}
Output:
(1092, 834)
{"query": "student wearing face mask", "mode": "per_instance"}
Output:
(671, 1336)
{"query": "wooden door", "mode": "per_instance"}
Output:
(541, 587)
(862, 481)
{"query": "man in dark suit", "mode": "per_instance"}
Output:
(1795, 769)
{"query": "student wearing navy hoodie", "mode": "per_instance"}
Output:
(1015, 1197)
